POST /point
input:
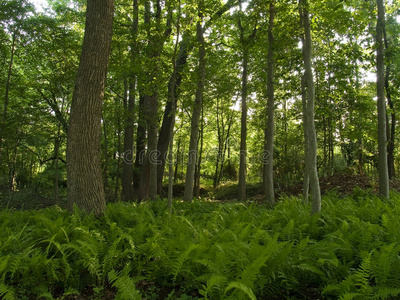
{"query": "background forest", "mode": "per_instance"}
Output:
(206, 101)
(151, 47)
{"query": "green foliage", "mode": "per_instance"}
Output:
(216, 251)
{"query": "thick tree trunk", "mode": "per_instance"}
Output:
(194, 131)
(380, 85)
(269, 136)
(309, 126)
(243, 132)
(85, 185)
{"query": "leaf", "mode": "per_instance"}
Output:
(242, 287)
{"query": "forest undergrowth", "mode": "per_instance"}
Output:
(205, 250)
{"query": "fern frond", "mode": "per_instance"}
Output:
(7, 293)
(176, 265)
(241, 287)
(125, 285)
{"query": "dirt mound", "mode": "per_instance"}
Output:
(343, 184)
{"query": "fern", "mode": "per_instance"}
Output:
(125, 285)
(241, 287)
(7, 293)
(177, 264)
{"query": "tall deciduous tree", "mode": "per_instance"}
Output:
(85, 185)
(269, 135)
(127, 168)
(194, 129)
(308, 110)
(246, 42)
(380, 85)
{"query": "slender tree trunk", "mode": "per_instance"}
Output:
(306, 178)
(56, 168)
(127, 167)
(198, 167)
(6, 96)
(194, 131)
(220, 141)
(140, 146)
(390, 126)
(309, 126)
(225, 146)
(243, 132)
(171, 89)
(380, 84)
(170, 107)
(85, 185)
(269, 136)
(118, 171)
(178, 157)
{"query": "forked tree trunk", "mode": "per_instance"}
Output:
(194, 129)
(381, 103)
(309, 126)
(269, 136)
(85, 185)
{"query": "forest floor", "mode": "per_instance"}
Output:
(341, 184)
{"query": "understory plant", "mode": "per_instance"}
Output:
(205, 250)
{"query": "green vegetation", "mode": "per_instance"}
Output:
(205, 250)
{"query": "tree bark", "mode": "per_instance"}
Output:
(197, 172)
(6, 96)
(309, 125)
(243, 132)
(85, 185)
(194, 129)
(390, 126)
(169, 112)
(269, 136)
(381, 104)
(127, 167)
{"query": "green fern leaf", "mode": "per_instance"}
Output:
(242, 287)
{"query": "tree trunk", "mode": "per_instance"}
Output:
(57, 141)
(140, 146)
(198, 166)
(381, 103)
(6, 96)
(85, 185)
(309, 125)
(105, 153)
(243, 132)
(170, 107)
(269, 136)
(127, 168)
(390, 126)
(194, 131)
